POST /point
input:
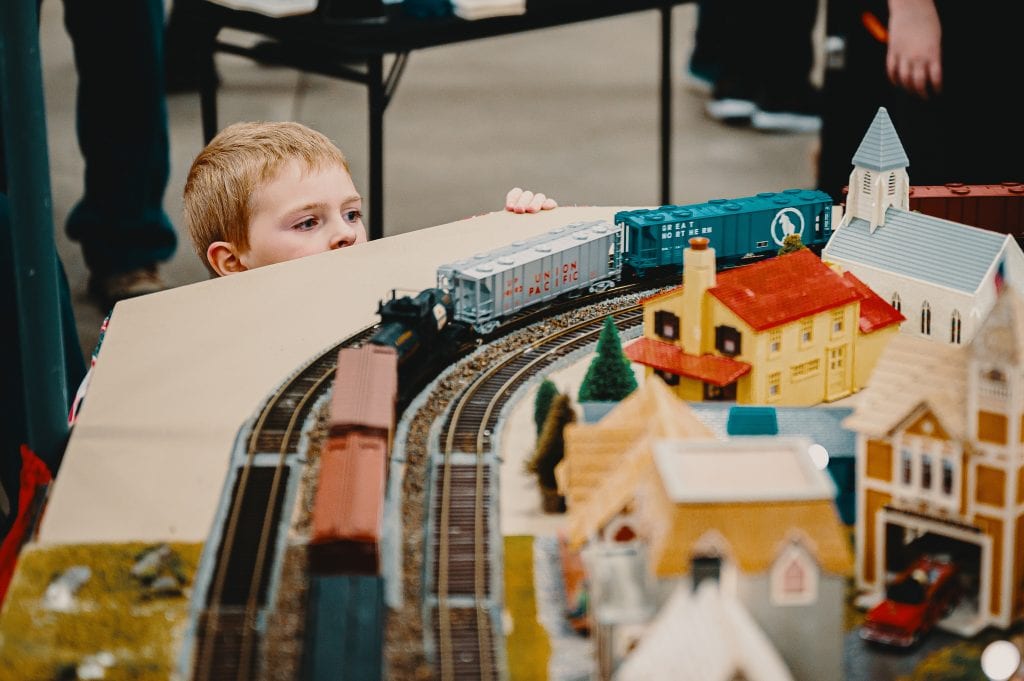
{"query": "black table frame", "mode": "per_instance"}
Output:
(353, 49)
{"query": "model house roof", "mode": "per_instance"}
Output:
(720, 371)
(875, 313)
(913, 372)
(1001, 336)
(705, 636)
(742, 469)
(787, 502)
(592, 450)
(921, 247)
(881, 149)
(822, 425)
(783, 289)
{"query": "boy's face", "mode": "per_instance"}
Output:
(301, 213)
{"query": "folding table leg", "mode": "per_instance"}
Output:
(376, 88)
(666, 104)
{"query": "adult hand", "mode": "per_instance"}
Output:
(914, 59)
(524, 201)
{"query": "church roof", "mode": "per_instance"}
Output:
(921, 247)
(881, 149)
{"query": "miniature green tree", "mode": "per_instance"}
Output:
(550, 450)
(610, 376)
(542, 403)
(791, 243)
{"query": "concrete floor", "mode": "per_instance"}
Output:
(566, 110)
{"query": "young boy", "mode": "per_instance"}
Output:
(263, 193)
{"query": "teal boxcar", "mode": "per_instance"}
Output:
(740, 230)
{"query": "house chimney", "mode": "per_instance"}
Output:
(698, 277)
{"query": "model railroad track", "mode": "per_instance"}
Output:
(461, 622)
(228, 633)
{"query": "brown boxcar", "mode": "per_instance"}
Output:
(349, 504)
(995, 207)
(365, 390)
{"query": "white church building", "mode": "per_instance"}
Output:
(942, 275)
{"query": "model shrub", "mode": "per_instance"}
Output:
(551, 443)
(791, 244)
(610, 376)
(542, 403)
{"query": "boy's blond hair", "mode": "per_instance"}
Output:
(242, 158)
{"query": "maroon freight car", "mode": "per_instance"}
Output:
(348, 505)
(365, 389)
(995, 207)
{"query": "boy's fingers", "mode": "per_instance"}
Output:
(537, 204)
(512, 197)
(549, 204)
(523, 204)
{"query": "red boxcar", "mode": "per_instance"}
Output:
(348, 506)
(365, 389)
(995, 207)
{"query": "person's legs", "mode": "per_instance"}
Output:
(786, 101)
(122, 131)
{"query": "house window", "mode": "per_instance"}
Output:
(774, 341)
(794, 578)
(705, 567)
(896, 302)
(892, 184)
(799, 371)
(867, 183)
(806, 331)
(774, 385)
(926, 318)
(727, 340)
(954, 327)
(906, 466)
(926, 472)
(947, 477)
(668, 377)
(666, 324)
(993, 384)
(837, 322)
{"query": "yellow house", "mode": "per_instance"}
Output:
(940, 465)
(790, 331)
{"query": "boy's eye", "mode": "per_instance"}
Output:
(305, 225)
(353, 215)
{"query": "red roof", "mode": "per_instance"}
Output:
(783, 289)
(720, 371)
(875, 313)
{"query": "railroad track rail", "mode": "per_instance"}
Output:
(463, 621)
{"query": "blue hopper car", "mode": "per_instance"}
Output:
(740, 230)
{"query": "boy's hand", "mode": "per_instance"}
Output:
(525, 201)
(914, 58)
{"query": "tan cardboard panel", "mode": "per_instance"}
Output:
(181, 371)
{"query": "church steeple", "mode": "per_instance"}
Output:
(879, 178)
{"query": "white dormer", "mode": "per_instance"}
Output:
(879, 178)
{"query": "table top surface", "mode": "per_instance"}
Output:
(395, 31)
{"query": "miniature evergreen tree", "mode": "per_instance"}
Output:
(542, 403)
(791, 243)
(550, 450)
(610, 376)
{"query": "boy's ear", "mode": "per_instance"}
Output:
(224, 259)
